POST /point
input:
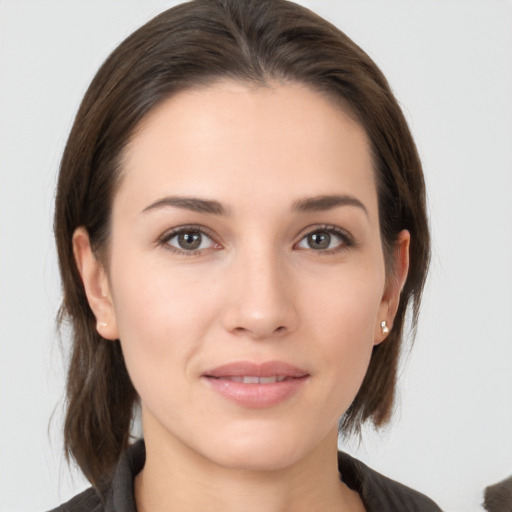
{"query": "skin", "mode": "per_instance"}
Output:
(257, 290)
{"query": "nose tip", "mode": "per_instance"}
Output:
(260, 328)
(261, 303)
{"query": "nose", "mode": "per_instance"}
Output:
(261, 299)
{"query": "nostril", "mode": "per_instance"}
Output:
(260, 333)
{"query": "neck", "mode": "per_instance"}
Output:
(179, 479)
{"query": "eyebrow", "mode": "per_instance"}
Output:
(327, 202)
(212, 207)
(189, 203)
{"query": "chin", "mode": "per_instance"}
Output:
(258, 450)
(255, 459)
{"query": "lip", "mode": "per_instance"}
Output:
(266, 392)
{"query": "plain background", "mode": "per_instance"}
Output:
(450, 65)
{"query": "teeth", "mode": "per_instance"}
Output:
(257, 380)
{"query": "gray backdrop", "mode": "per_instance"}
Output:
(450, 64)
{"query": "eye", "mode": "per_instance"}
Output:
(188, 240)
(325, 239)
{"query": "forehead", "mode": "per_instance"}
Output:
(230, 141)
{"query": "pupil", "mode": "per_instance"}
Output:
(189, 241)
(319, 240)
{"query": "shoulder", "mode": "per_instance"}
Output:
(118, 495)
(380, 493)
(86, 501)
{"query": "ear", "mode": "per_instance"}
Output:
(96, 285)
(394, 285)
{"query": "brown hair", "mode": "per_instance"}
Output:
(193, 44)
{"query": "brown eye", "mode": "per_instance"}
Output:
(319, 240)
(326, 239)
(189, 241)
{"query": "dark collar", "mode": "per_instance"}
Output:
(379, 493)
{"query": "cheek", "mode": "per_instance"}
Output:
(346, 302)
(342, 320)
(162, 316)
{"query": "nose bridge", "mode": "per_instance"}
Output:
(261, 297)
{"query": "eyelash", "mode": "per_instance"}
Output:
(347, 239)
(169, 235)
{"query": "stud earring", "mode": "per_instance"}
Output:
(384, 327)
(102, 324)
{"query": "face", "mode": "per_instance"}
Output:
(245, 277)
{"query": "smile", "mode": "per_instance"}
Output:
(257, 380)
(256, 385)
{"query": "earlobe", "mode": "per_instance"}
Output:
(96, 285)
(394, 285)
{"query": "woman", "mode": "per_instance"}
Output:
(241, 228)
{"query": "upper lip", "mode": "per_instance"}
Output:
(247, 368)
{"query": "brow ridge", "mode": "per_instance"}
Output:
(209, 206)
(327, 202)
(194, 204)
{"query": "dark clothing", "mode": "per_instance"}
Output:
(379, 494)
(498, 497)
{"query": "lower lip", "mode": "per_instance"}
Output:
(256, 396)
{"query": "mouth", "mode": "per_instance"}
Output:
(256, 385)
(256, 380)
